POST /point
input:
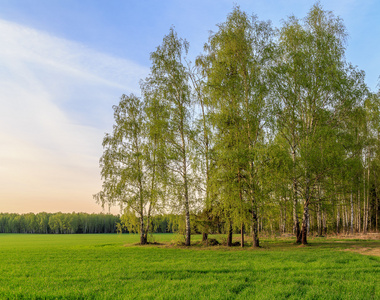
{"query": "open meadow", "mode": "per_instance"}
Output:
(111, 266)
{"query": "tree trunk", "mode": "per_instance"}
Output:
(352, 214)
(368, 195)
(241, 203)
(188, 229)
(359, 211)
(147, 223)
(296, 224)
(364, 207)
(255, 238)
(305, 216)
(304, 223)
(187, 204)
(337, 220)
(242, 235)
(377, 212)
(229, 234)
(284, 228)
(143, 239)
(319, 220)
(345, 220)
(324, 223)
(204, 237)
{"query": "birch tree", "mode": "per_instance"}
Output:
(169, 79)
(236, 60)
(203, 147)
(315, 89)
(129, 164)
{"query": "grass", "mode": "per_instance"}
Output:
(103, 267)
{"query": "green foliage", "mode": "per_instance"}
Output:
(237, 60)
(169, 83)
(267, 125)
(130, 222)
(133, 164)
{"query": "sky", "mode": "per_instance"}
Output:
(65, 63)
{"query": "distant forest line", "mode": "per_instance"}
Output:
(72, 223)
(83, 223)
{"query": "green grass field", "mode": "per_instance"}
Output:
(103, 267)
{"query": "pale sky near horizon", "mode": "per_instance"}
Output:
(63, 64)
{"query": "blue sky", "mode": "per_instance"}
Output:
(63, 64)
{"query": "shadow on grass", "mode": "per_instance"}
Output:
(366, 247)
(281, 244)
(218, 242)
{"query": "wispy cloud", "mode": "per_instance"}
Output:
(55, 105)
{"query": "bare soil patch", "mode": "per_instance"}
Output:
(357, 236)
(365, 251)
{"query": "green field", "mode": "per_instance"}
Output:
(111, 267)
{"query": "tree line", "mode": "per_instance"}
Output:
(269, 129)
(62, 223)
(74, 223)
